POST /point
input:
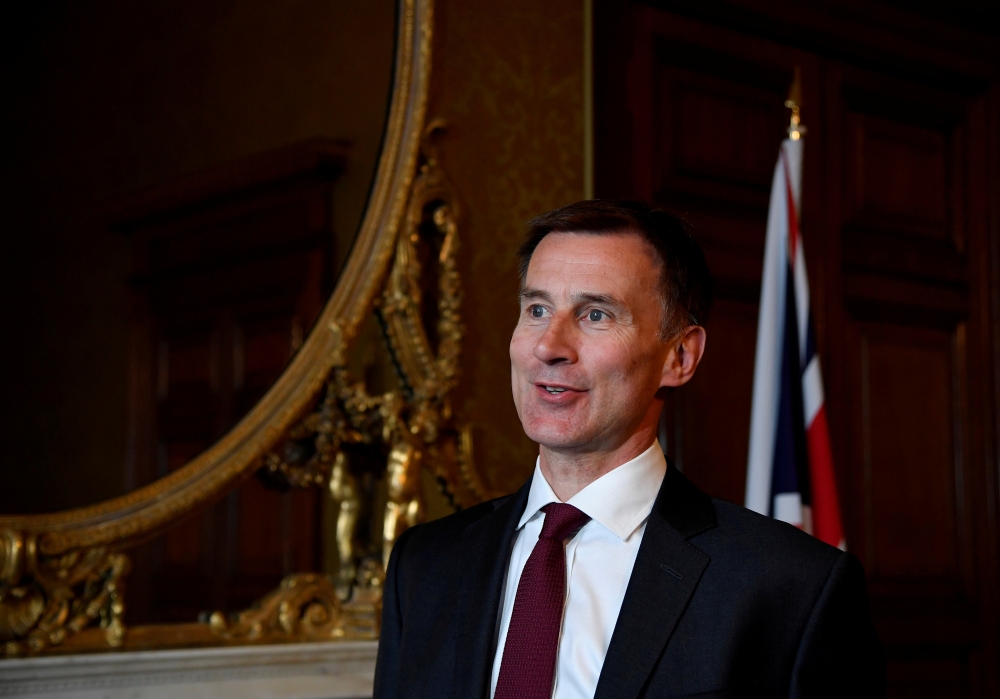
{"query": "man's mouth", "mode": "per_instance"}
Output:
(554, 394)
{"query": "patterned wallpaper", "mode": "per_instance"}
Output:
(509, 81)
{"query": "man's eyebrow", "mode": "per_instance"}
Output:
(529, 294)
(600, 299)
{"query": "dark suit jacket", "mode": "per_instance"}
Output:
(721, 603)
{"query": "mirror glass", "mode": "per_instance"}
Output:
(181, 184)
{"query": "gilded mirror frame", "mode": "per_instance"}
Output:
(62, 574)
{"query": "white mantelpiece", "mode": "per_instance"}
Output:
(293, 671)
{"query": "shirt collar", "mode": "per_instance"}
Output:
(620, 500)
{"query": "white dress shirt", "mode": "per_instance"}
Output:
(599, 562)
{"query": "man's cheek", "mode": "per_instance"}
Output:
(520, 346)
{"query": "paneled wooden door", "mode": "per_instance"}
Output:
(909, 310)
(895, 223)
(232, 267)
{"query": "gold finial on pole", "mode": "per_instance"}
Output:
(794, 102)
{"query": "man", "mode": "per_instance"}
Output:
(608, 574)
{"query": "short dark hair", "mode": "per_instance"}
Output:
(685, 282)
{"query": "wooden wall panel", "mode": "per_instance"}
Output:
(903, 214)
(897, 177)
(911, 461)
(718, 405)
(895, 223)
(718, 121)
(710, 129)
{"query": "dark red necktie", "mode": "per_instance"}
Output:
(529, 653)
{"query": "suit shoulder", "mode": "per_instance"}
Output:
(448, 530)
(749, 534)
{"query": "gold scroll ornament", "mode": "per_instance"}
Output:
(306, 607)
(53, 597)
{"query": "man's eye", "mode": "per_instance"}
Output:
(537, 311)
(596, 316)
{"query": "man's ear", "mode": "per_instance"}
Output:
(686, 350)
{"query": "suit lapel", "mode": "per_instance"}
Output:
(486, 547)
(666, 572)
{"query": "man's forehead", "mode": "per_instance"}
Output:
(593, 259)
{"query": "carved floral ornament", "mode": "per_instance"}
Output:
(62, 575)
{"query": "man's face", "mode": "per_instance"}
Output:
(586, 359)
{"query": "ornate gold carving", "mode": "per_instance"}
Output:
(414, 421)
(468, 471)
(21, 607)
(62, 572)
(54, 597)
(11, 557)
(405, 506)
(306, 607)
(344, 492)
(428, 374)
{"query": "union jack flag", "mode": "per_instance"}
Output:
(790, 466)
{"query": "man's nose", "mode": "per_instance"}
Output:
(557, 344)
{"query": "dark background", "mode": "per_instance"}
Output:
(901, 226)
(179, 184)
(105, 100)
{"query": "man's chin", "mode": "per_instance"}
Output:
(557, 440)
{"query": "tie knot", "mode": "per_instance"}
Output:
(561, 521)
